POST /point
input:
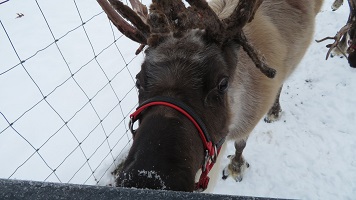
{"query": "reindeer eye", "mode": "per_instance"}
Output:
(223, 85)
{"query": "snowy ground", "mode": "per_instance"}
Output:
(68, 128)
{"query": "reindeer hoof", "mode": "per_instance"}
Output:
(336, 5)
(235, 170)
(225, 173)
(272, 118)
(274, 113)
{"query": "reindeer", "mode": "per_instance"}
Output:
(211, 71)
(344, 40)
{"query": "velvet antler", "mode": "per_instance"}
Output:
(232, 28)
(171, 16)
(351, 23)
(243, 14)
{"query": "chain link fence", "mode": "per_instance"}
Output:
(66, 90)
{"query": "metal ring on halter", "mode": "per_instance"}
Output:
(215, 156)
(206, 160)
(131, 124)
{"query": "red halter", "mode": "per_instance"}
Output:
(211, 150)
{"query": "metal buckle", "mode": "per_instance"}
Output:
(213, 158)
(206, 160)
(208, 157)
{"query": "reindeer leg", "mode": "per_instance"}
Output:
(336, 5)
(237, 164)
(275, 112)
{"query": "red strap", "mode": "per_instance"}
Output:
(204, 179)
(207, 145)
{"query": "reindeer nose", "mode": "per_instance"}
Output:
(144, 179)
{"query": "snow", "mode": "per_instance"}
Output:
(153, 175)
(79, 123)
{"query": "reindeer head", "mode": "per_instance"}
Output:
(189, 62)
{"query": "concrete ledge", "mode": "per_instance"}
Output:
(16, 189)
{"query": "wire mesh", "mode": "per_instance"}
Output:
(66, 90)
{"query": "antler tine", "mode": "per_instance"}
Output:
(130, 15)
(207, 17)
(158, 19)
(243, 14)
(255, 56)
(140, 9)
(124, 27)
(203, 6)
(171, 8)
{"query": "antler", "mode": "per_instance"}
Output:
(232, 27)
(171, 16)
(337, 38)
(343, 31)
(256, 57)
